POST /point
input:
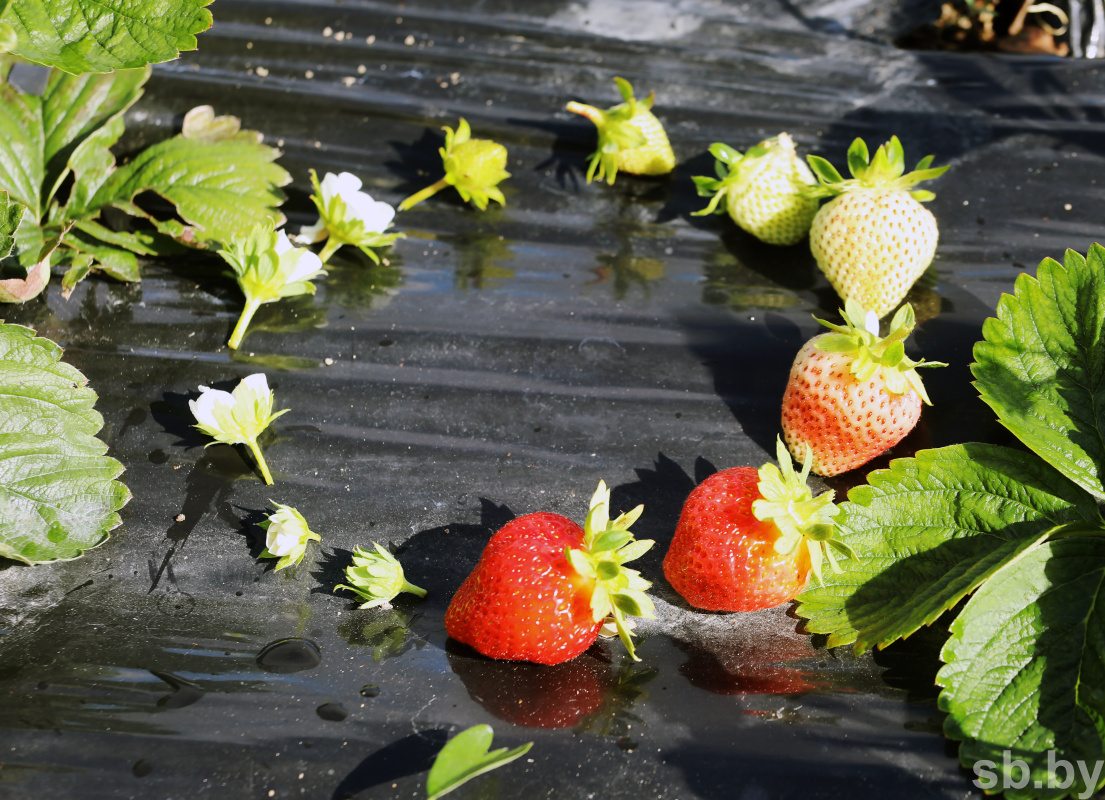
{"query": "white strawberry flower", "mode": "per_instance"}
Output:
(237, 417)
(286, 536)
(268, 267)
(347, 216)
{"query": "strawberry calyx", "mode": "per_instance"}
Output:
(885, 171)
(736, 170)
(618, 591)
(616, 132)
(474, 167)
(871, 354)
(802, 519)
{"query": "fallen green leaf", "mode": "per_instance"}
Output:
(465, 757)
(220, 178)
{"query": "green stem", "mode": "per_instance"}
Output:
(243, 323)
(331, 247)
(415, 590)
(584, 110)
(418, 197)
(260, 461)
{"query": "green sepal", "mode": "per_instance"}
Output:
(872, 354)
(885, 170)
(474, 167)
(737, 171)
(607, 545)
(11, 215)
(377, 577)
(618, 130)
(787, 501)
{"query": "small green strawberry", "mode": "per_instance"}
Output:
(474, 167)
(630, 137)
(762, 190)
(852, 394)
(874, 239)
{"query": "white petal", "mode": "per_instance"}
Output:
(347, 183)
(329, 187)
(306, 268)
(256, 382)
(309, 234)
(280, 541)
(283, 244)
(203, 409)
(376, 215)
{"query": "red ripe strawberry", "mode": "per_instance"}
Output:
(852, 395)
(748, 539)
(544, 587)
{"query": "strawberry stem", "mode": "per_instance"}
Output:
(596, 115)
(260, 461)
(419, 196)
(243, 322)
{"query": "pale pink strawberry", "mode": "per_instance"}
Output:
(852, 395)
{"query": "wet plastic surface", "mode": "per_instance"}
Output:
(502, 363)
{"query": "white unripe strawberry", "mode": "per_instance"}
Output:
(874, 239)
(762, 190)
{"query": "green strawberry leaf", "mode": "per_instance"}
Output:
(58, 493)
(465, 757)
(75, 107)
(80, 36)
(117, 263)
(1025, 670)
(931, 529)
(1042, 366)
(21, 146)
(11, 214)
(219, 188)
(38, 134)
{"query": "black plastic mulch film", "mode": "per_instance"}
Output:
(501, 363)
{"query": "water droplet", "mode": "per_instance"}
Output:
(627, 744)
(370, 690)
(141, 768)
(289, 655)
(332, 712)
